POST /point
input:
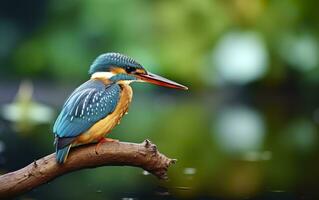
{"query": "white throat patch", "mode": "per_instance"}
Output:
(108, 75)
(104, 75)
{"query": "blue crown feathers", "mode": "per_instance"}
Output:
(103, 62)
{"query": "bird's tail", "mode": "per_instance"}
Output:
(62, 154)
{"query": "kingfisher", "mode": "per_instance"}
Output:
(97, 106)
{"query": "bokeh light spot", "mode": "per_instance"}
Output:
(240, 57)
(239, 129)
(301, 52)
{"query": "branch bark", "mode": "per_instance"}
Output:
(144, 155)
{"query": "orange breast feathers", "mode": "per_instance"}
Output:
(104, 126)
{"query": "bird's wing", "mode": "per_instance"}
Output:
(91, 102)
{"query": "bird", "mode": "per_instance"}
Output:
(95, 107)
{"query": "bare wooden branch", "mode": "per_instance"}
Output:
(144, 155)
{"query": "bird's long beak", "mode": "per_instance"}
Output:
(159, 80)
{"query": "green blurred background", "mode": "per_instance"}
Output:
(247, 128)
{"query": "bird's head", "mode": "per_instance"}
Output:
(120, 68)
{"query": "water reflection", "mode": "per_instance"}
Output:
(257, 156)
(24, 112)
(2, 146)
(189, 171)
(239, 129)
(230, 154)
(145, 173)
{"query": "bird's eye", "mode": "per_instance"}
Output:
(130, 69)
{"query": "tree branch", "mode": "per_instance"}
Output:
(144, 155)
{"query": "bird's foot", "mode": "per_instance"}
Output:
(109, 140)
(102, 141)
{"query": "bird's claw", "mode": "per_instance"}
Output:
(102, 141)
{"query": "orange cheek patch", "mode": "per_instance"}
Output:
(140, 71)
(117, 70)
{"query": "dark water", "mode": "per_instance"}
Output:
(228, 145)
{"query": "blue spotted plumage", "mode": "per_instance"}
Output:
(88, 104)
